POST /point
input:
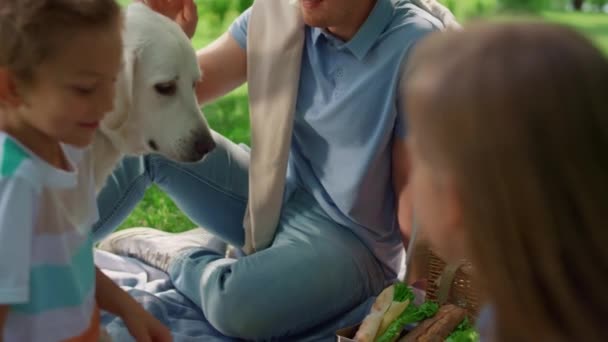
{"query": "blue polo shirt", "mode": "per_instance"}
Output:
(346, 118)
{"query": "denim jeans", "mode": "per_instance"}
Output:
(315, 277)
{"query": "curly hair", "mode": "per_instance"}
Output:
(31, 30)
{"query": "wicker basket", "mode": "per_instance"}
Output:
(452, 284)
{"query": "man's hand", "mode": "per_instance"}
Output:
(183, 12)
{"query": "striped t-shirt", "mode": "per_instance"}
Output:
(47, 273)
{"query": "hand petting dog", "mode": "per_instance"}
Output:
(183, 12)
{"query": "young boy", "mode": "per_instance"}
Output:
(58, 62)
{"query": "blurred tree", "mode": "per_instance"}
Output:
(218, 7)
(242, 5)
(599, 4)
(524, 5)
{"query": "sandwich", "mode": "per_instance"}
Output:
(394, 312)
(449, 324)
(464, 332)
(391, 312)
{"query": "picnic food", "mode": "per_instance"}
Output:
(391, 314)
(392, 310)
(464, 332)
(439, 327)
(412, 314)
(371, 324)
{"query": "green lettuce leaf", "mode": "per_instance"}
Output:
(402, 293)
(464, 332)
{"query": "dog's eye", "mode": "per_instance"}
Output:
(167, 89)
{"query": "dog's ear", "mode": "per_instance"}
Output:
(131, 60)
(124, 101)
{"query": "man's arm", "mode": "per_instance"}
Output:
(403, 203)
(224, 66)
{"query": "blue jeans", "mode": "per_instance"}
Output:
(314, 273)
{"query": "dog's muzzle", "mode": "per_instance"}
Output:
(203, 146)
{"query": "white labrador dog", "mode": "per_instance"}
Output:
(155, 108)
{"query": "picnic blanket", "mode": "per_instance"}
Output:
(153, 289)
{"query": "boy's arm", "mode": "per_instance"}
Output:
(17, 202)
(141, 324)
(109, 296)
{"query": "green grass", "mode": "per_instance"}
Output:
(230, 117)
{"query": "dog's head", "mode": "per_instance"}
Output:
(155, 108)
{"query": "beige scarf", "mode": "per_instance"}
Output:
(275, 40)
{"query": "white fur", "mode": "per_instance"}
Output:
(156, 52)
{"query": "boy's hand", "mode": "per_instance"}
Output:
(183, 12)
(144, 327)
(141, 324)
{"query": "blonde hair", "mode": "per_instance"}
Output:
(30, 30)
(517, 113)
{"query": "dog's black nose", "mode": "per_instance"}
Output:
(204, 146)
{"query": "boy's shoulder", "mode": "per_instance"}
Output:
(16, 162)
(12, 156)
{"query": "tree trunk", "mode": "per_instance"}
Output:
(578, 4)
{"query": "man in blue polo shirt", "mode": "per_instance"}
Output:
(338, 239)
